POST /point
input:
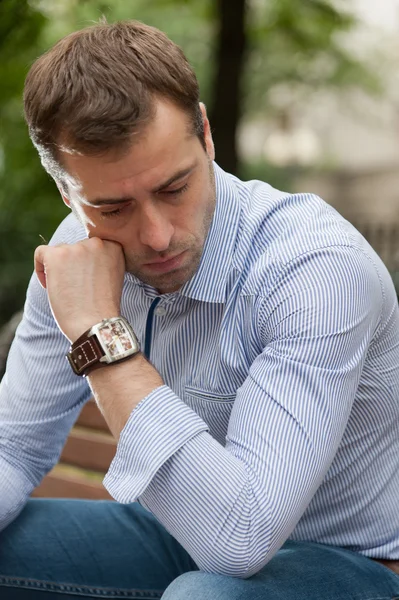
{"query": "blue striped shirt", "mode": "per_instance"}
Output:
(279, 417)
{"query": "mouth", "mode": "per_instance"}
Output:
(163, 265)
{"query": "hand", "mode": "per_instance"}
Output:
(84, 282)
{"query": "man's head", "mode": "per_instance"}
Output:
(115, 115)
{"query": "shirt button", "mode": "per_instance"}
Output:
(160, 311)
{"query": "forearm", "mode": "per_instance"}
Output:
(118, 389)
(209, 497)
(197, 488)
(230, 507)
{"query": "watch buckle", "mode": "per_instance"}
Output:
(71, 362)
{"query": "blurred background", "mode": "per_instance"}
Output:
(301, 93)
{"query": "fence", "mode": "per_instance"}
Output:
(385, 241)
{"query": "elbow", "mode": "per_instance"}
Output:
(240, 549)
(232, 561)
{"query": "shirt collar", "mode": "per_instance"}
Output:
(209, 282)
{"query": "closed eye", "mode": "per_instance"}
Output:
(113, 213)
(119, 211)
(180, 190)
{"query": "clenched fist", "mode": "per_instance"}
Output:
(84, 282)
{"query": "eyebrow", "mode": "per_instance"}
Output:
(179, 175)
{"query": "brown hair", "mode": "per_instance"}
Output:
(96, 87)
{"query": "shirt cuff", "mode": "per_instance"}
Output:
(159, 425)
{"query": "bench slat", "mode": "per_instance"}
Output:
(91, 417)
(63, 486)
(85, 459)
(89, 449)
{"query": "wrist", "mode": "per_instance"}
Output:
(104, 373)
(85, 323)
(119, 389)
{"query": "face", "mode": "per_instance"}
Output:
(157, 201)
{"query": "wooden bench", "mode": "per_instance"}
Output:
(84, 461)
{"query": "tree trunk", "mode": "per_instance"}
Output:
(226, 110)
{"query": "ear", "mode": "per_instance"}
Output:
(210, 148)
(63, 195)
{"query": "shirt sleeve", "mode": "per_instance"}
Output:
(233, 507)
(40, 399)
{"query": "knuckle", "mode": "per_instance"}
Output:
(96, 242)
(61, 251)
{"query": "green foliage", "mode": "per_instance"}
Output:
(26, 194)
(297, 46)
(281, 178)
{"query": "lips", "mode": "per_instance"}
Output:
(164, 265)
(162, 260)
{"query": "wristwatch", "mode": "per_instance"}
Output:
(111, 341)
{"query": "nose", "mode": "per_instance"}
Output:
(155, 230)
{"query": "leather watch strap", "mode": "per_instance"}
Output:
(85, 354)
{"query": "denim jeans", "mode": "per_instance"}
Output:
(71, 549)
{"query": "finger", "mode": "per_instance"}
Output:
(40, 267)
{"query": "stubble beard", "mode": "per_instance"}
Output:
(168, 282)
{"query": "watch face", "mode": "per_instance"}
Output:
(115, 338)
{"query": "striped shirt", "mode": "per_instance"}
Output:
(279, 417)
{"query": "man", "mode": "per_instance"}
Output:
(258, 427)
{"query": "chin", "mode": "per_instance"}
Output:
(169, 282)
(169, 285)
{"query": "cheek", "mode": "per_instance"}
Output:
(193, 218)
(203, 209)
(106, 228)
(125, 235)
(186, 222)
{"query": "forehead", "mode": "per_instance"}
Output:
(162, 147)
